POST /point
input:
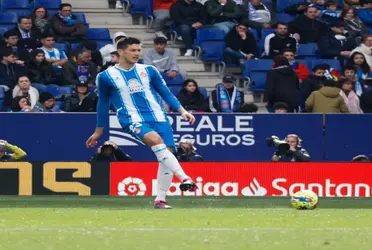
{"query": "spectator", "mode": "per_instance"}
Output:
(162, 58)
(39, 70)
(353, 25)
(79, 70)
(93, 48)
(188, 16)
(162, 16)
(114, 60)
(306, 28)
(53, 55)
(299, 68)
(279, 41)
(358, 60)
(240, 45)
(366, 49)
(20, 104)
(40, 20)
(313, 82)
(258, 15)
(301, 7)
(46, 103)
(330, 15)
(81, 100)
(190, 96)
(186, 152)
(223, 14)
(365, 13)
(110, 152)
(248, 108)
(66, 26)
(9, 69)
(350, 97)
(11, 40)
(366, 98)
(326, 100)
(109, 48)
(226, 97)
(282, 85)
(17, 154)
(280, 108)
(295, 153)
(24, 88)
(349, 72)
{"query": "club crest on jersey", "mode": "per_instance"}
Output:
(134, 86)
(143, 75)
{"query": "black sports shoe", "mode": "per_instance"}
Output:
(188, 185)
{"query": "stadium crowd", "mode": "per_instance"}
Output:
(32, 67)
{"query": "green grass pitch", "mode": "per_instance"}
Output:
(71, 222)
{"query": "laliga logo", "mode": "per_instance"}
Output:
(131, 186)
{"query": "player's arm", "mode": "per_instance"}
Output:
(17, 154)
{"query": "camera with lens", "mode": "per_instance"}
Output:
(181, 151)
(281, 146)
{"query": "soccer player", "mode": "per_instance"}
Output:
(133, 90)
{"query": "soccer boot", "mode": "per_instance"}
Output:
(188, 185)
(161, 205)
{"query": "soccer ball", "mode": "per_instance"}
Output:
(304, 199)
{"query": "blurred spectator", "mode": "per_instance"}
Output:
(336, 44)
(248, 108)
(162, 16)
(190, 96)
(17, 153)
(306, 28)
(295, 153)
(46, 103)
(40, 70)
(313, 82)
(20, 104)
(11, 40)
(326, 100)
(114, 60)
(366, 49)
(351, 3)
(299, 68)
(81, 100)
(93, 48)
(66, 26)
(109, 48)
(349, 72)
(258, 15)
(53, 55)
(40, 20)
(366, 98)
(331, 14)
(350, 97)
(79, 70)
(188, 16)
(279, 41)
(353, 25)
(226, 97)
(186, 152)
(282, 85)
(358, 60)
(24, 88)
(301, 7)
(110, 152)
(162, 58)
(9, 69)
(280, 108)
(365, 13)
(240, 45)
(223, 14)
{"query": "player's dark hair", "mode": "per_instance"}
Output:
(125, 42)
(64, 5)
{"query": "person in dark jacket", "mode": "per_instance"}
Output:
(353, 25)
(281, 40)
(223, 14)
(190, 96)
(188, 16)
(295, 153)
(110, 152)
(306, 28)
(313, 82)
(80, 69)
(366, 98)
(93, 48)
(39, 70)
(240, 45)
(114, 60)
(282, 85)
(226, 97)
(40, 20)
(9, 69)
(67, 27)
(336, 44)
(81, 100)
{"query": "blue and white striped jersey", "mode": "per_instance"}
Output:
(134, 94)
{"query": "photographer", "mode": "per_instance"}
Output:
(295, 153)
(110, 152)
(17, 154)
(186, 152)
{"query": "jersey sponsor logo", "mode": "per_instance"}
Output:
(134, 86)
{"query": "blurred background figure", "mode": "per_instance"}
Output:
(110, 152)
(186, 152)
(17, 153)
